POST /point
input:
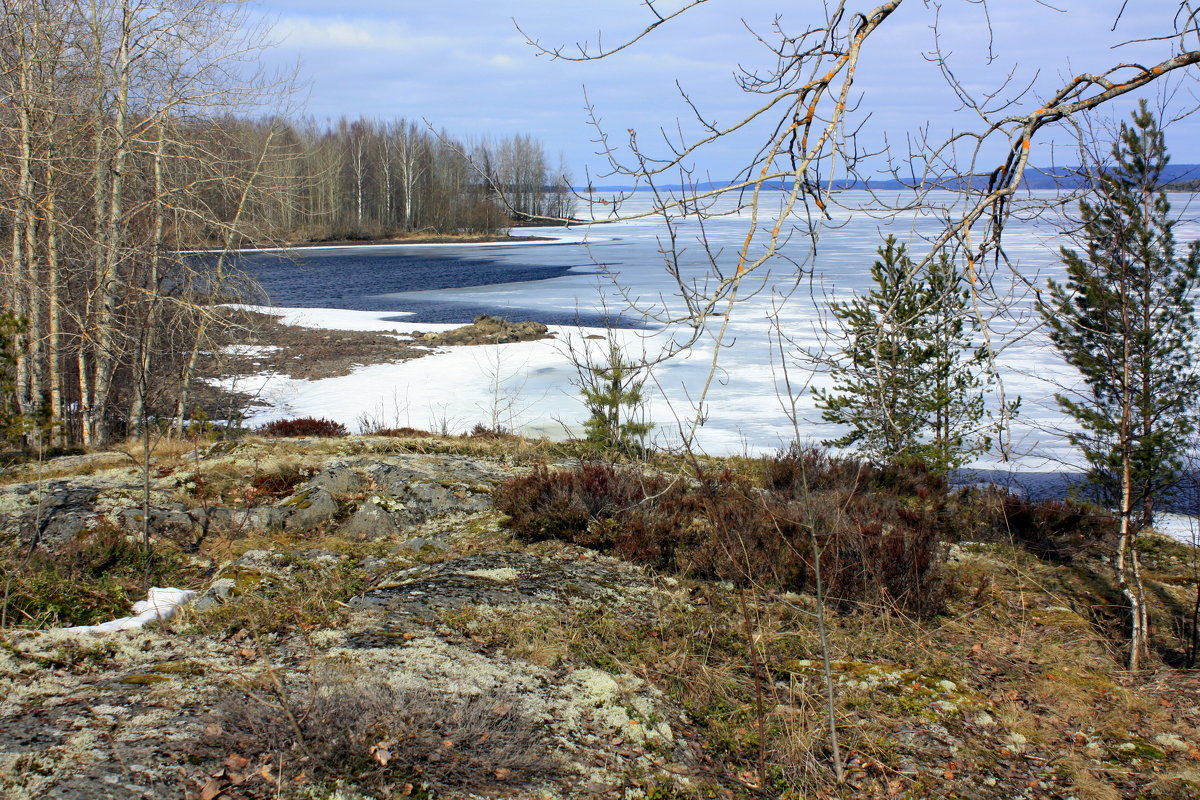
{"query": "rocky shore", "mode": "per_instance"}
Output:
(367, 626)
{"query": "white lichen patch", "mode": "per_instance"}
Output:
(388, 503)
(499, 575)
(620, 703)
(1169, 741)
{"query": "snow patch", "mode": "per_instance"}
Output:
(159, 604)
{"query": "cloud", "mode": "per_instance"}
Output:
(314, 33)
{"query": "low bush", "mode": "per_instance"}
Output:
(481, 431)
(874, 547)
(399, 433)
(1057, 530)
(94, 578)
(304, 426)
(801, 470)
(338, 726)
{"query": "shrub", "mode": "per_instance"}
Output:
(800, 470)
(874, 547)
(400, 433)
(304, 426)
(1058, 530)
(481, 431)
(337, 725)
(94, 578)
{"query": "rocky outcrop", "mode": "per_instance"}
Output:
(490, 330)
(367, 498)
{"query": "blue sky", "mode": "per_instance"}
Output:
(463, 66)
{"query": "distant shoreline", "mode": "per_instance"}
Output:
(429, 239)
(415, 241)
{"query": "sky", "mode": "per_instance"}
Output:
(463, 66)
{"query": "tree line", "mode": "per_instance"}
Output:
(135, 131)
(369, 178)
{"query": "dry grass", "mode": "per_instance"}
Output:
(1017, 669)
(341, 725)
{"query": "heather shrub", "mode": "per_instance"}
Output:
(800, 469)
(1058, 530)
(875, 547)
(575, 505)
(304, 426)
(400, 433)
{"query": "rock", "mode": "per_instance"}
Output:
(308, 509)
(171, 521)
(217, 592)
(233, 520)
(337, 479)
(60, 516)
(496, 579)
(417, 544)
(372, 520)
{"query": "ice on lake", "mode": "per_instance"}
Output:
(600, 270)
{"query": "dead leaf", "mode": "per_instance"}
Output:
(407, 790)
(234, 761)
(265, 772)
(381, 754)
(503, 774)
(213, 789)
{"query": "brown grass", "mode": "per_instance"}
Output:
(341, 725)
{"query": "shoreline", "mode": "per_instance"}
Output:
(416, 241)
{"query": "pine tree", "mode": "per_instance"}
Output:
(1125, 319)
(909, 382)
(612, 393)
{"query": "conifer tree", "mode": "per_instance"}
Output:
(612, 393)
(1125, 319)
(909, 384)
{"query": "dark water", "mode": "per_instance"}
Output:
(363, 278)
(1058, 485)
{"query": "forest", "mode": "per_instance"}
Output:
(136, 133)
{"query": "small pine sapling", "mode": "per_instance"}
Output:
(612, 394)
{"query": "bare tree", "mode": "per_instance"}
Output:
(111, 108)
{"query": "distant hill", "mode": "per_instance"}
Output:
(1177, 178)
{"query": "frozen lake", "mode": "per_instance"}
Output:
(573, 282)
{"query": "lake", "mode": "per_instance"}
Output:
(600, 272)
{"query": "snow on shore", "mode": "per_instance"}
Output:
(525, 386)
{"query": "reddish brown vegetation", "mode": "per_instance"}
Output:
(304, 426)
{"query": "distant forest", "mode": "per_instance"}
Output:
(369, 178)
